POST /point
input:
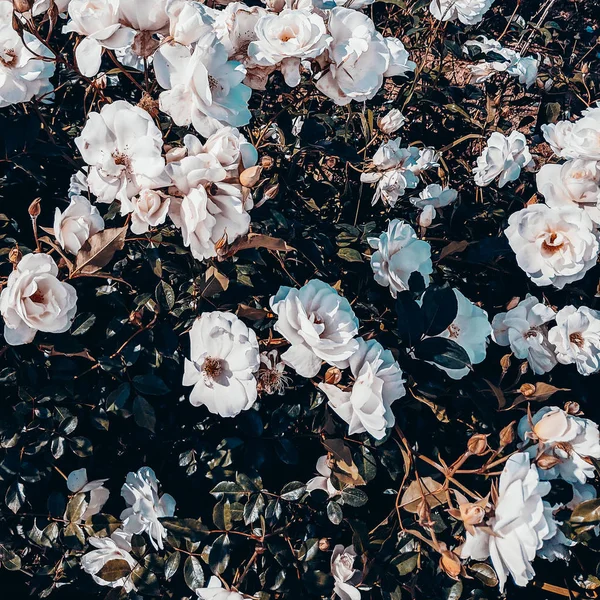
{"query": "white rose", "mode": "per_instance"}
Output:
(231, 149)
(577, 338)
(399, 254)
(123, 148)
(24, 74)
(188, 21)
(569, 440)
(399, 63)
(150, 209)
(391, 122)
(554, 246)
(286, 38)
(74, 226)
(432, 197)
(345, 576)
(323, 480)
(524, 329)
(204, 88)
(145, 507)
(78, 483)
(35, 300)
(574, 183)
(525, 69)
(319, 324)
(377, 384)
(215, 591)
(224, 358)
(358, 55)
(503, 157)
(150, 15)
(468, 12)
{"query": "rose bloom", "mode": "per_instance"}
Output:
(574, 183)
(224, 357)
(78, 483)
(151, 15)
(580, 139)
(23, 76)
(562, 443)
(115, 547)
(74, 226)
(399, 254)
(189, 21)
(524, 329)
(150, 209)
(145, 507)
(554, 246)
(432, 197)
(520, 525)
(345, 576)
(323, 480)
(204, 88)
(319, 324)
(377, 384)
(287, 38)
(215, 591)
(468, 12)
(503, 158)
(391, 121)
(231, 148)
(123, 148)
(576, 337)
(35, 300)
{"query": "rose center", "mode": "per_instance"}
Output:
(121, 159)
(453, 330)
(577, 339)
(8, 58)
(37, 297)
(213, 83)
(212, 367)
(287, 34)
(531, 333)
(553, 243)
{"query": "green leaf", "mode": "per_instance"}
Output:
(354, 497)
(293, 491)
(114, 570)
(150, 384)
(443, 352)
(191, 529)
(10, 560)
(143, 413)
(222, 515)
(219, 555)
(335, 512)
(15, 496)
(82, 323)
(586, 512)
(253, 508)
(485, 574)
(350, 255)
(193, 573)
(165, 295)
(172, 564)
(75, 508)
(439, 308)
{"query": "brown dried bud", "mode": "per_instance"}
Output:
(267, 162)
(585, 68)
(22, 5)
(271, 191)
(35, 209)
(221, 243)
(135, 318)
(323, 544)
(148, 104)
(250, 176)
(507, 435)
(505, 363)
(527, 389)
(144, 44)
(333, 375)
(450, 564)
(523, 368)
(14, 256)
(477, 444)
(547, 461)
(572, 408)
(471, 514)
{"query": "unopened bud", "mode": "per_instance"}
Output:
(35, 209)
(450, 564)
(471, 514)
(505, 363)
(527, 389)
(14, 256)
(333, 376)
(323, 544)
(221, 243)
(135, 318)
(477, 444)
(267, 162)
(547, 461)
(249, 177)
(507, 435)
(523, 368)
(572, 408)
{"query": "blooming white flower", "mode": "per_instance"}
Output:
(422, 159)
(215, 591)
(78, 184)
(574, 183)
(577, 338)
(319, 324)
(231, 149)
(189, 21)
(74, 226)
(150, 209)
(145, 507)
(520, 525)
(78, 483)
(399, 65)
(562, 444)
(204, 88)
(470, 330)
(150, 16)
(24, 74)
(468, 12)
(115, 547)
(122, 146)
(399, 254)
(580, 139)
(224, 357)
(524, 329)
(525, 68)
(391, 121)
(432, 197)
(287, 38)
(503, 158)
(271, 375)
(392, 155)
(359, 58)
(554, 246)
(99, 23)
(35, 300)
(377, 384)
(323, 480)
(345, 576)
(39, 7)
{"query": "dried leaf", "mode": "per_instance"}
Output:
(98, 251)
